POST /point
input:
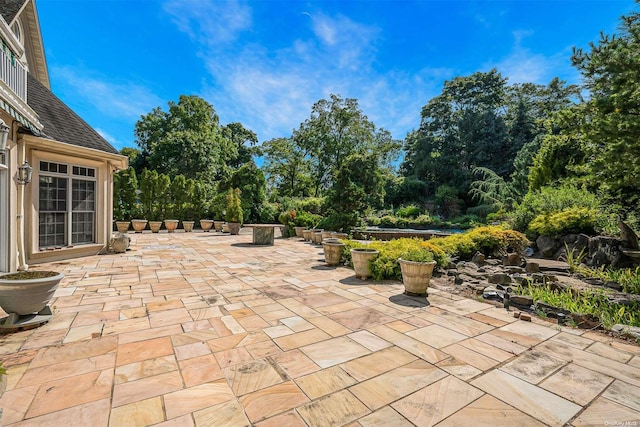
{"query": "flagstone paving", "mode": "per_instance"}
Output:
(205, 329)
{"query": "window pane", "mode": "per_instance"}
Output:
(82, 224)
(52, 229)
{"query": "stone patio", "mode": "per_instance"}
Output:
(205, 329)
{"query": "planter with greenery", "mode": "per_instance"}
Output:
(417, 267)
(234, 214)
(361, 259)
(27, 292)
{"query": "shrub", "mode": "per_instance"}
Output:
(234, 211)
(568, 221)
(422, 220)
(386, 266)
(268, 212)
(410, 211)
(490, 240)
(372, 220)
(306, 219)
(388, 221)
(549, 200)
(310, 204)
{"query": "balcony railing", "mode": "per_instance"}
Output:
(13, 73)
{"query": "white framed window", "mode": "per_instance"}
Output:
(17, 30)
(67, 205)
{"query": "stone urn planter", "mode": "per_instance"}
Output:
(188, 226)
(361, 259)
(217, 225)
(327, 234)
(225, 227)
(316, 237)
(306, 235)
(155, 226)
(342, 236)
(299, 231)
(332, 251)
(234, 227)
(171, 225)
(122, 226)
(138, 225)
(206, 224)
(416, 276)
(27, 292)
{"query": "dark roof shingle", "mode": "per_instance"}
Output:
(60, 122)
(9, 9)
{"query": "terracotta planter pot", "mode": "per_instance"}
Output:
(138, 225)
(416, 276)
(171, 225)
(155, 226)
(234, 227)
(326, 234)
(332, 252)
(225, 227)
(27, 295)
(188, 226)
(218, 226)
(299, 231)
(206, 224)
(361, 258)
(342, 236)
(122, 226)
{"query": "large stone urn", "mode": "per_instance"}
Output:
(306, 235)
(138, 225)
(416, 276)
(217, 225)
(27, 292)
(234, 227)
(122, 226)
(332, 251)
(155, 226)
(171, 225)
(361, 259)
(188, 226)
(299, 231)
(206, 224)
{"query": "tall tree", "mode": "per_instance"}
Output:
(460, 129)
(185, 140)
(286, 167)
(336, 129)
(611, 125)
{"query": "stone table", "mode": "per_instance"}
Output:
(263, 233)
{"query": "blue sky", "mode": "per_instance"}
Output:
(265, 63)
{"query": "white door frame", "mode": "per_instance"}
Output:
(4, 213)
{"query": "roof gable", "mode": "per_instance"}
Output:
(10, 8)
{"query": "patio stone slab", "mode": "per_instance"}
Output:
(204, 329)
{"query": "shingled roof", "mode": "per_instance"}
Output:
(9, 9)
(60, 122)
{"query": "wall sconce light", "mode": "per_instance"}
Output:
(4, 135)
(24, 173)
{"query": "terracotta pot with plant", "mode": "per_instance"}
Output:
(233, 213)
(417, 267)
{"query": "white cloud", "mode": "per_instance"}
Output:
(522, 65)
(209, 22)
(113, 141)
(271, 90)
(121, 100)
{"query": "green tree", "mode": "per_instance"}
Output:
(287, 167)
(336, 129)
(611, 125)
(244, 141)
(251, 182)
(459, 129)
(358, 184)
(125, 199)
(186, 139)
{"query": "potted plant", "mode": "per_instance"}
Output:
(139, 225)
(417, 267)
(27, 292)
(361, 259)
(287, 218)
(234, 214)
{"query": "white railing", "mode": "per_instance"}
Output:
(13, 73)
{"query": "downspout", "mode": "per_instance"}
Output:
(22, 264)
